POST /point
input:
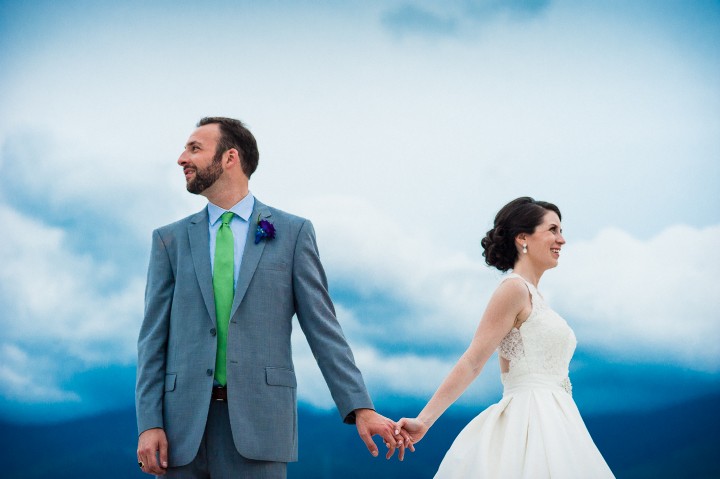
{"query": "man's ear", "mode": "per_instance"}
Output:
(233, 159)
(232, 156)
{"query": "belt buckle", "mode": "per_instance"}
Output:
(219, 393)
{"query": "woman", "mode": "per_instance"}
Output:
(535, 431)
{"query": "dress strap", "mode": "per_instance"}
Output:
(531, 288)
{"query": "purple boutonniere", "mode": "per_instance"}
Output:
(265, 230)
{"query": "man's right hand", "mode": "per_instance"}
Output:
(150, 443)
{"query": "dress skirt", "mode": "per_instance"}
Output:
(534, 432)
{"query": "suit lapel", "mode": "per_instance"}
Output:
(251, 255)
(199, 234)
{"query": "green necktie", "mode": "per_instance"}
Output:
(223, 276)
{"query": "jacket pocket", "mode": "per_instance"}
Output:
(170, 382)
(273, 265)
(280, 377)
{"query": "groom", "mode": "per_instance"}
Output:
(216, 389)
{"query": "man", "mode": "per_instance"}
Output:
(216, 388)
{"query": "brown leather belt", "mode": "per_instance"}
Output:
(219, 393)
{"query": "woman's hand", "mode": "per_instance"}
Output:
(415, 428)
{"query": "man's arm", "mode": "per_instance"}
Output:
(317, 319)
(152, 343)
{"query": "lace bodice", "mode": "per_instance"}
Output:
(544, 343)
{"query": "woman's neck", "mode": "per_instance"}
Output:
(528, 273)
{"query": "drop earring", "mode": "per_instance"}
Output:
(524, 248)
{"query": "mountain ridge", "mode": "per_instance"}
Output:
(673, 442)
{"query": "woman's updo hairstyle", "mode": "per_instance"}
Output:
(521, 215)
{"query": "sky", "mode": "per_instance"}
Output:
(399, 128)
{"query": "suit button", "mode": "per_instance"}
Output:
(213, 332)
(209, 372)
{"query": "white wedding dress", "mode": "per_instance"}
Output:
(535, 431)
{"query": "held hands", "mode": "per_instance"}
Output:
(153, 445)
(369, 423)
(150, 443)
(414, 428)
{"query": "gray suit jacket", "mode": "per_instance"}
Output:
(279, 278)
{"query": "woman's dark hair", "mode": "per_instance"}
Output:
(234, 134)
(521, 215)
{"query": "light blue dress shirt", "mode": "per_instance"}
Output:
(239, 225)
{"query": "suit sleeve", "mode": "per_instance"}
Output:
(316, 315)
(152, 340)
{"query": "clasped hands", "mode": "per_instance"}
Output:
(399, 435)
(153, 447)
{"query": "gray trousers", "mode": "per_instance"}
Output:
(218, 458)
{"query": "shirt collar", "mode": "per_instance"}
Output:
(242, 208)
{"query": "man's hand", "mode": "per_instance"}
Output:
(414, 427)
(150, 443)
(369, 423)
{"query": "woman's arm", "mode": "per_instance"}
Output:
(508, 301)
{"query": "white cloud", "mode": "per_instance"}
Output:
(431, 131)
(58, 176)
(649, 301)
(419, 376)
(633, 298)
(387, 373)
(29, 378)
(366, 249)
(64, 299)
(433, 136)
(653, 299)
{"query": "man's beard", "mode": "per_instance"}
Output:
(205, 178)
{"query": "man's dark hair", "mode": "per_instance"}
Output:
(234, 134)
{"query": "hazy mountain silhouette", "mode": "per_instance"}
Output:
(676, 442)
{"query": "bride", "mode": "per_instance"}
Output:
(535, 431)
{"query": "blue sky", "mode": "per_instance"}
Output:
(399, 128)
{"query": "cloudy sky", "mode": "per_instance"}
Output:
(399, 128)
